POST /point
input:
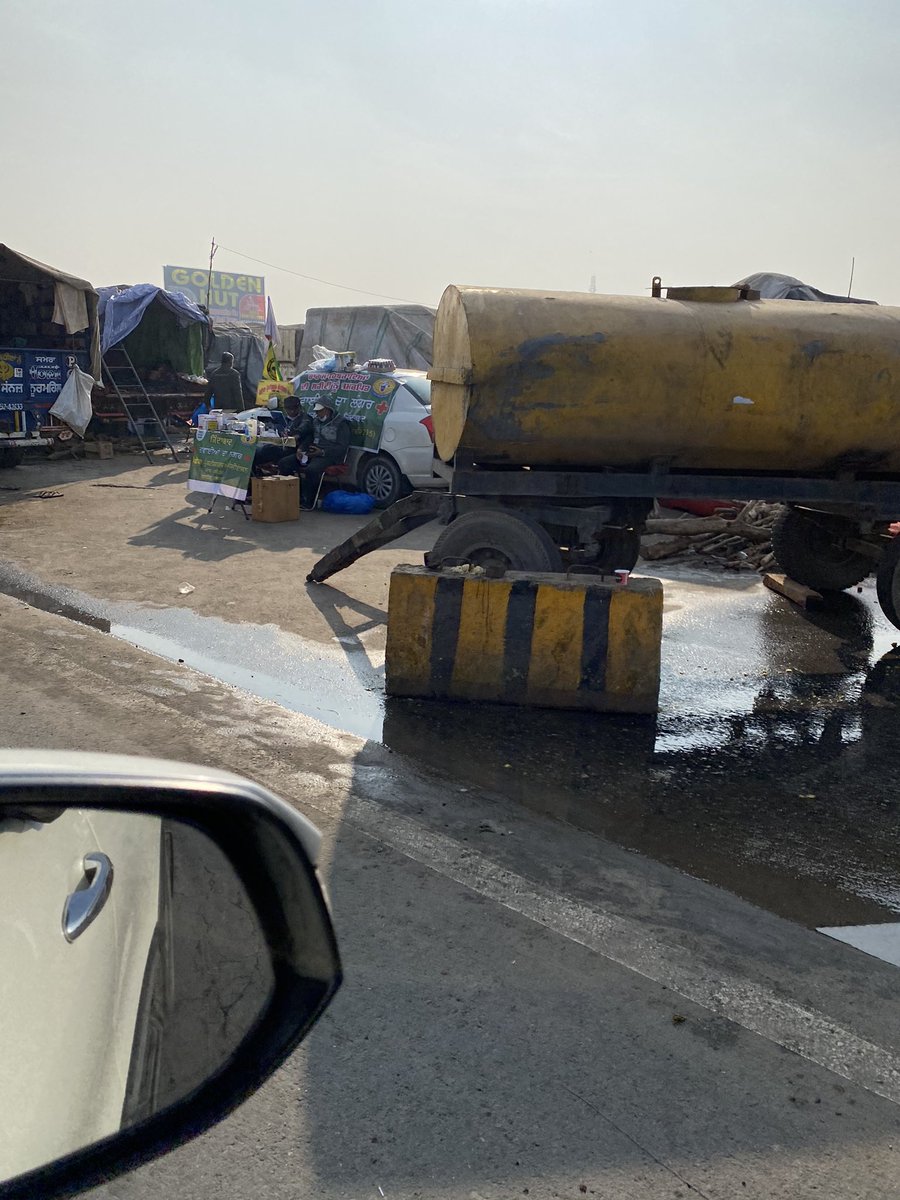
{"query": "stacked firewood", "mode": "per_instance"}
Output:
(736, 539)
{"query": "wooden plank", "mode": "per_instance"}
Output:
(790, 588)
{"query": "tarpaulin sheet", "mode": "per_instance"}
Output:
(162, 341)
(68, 309)
(402, 332)
(772, 286)
(122, 312)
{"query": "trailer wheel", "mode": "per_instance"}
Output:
(887, 581)
(497, 539)
(812, 553)
(618, 548)
(11, 456)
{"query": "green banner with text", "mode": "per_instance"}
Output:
(221, 463)
(360, 398)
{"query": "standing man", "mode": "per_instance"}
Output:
(225, 384)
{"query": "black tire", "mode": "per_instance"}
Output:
(887, 581)
(11, 456)
(497, 539)
(619, 548)
(382, 479)
(810, 551)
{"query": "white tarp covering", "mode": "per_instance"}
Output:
(402, 332)
(70, 307)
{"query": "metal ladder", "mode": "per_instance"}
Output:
(121, 375)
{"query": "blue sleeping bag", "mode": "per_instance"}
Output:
(348, 502)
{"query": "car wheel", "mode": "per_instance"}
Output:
(381, 478)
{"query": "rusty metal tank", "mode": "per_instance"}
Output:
(701, 380)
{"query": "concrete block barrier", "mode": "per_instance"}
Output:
(545, 640)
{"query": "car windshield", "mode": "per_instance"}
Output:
(420, 386)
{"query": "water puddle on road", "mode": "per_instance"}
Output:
(881, 941)
(266, 662)
(769, 770)
(335, 684)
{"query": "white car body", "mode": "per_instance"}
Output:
(405, 437)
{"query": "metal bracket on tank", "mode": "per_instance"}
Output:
(707, 295)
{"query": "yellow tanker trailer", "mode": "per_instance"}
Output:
(565, 414)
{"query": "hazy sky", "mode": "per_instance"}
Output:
(396, 146)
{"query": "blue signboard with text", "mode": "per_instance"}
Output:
(30, 381)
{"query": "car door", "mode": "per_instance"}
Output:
(70, 1003)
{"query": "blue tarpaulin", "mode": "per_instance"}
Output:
(121, 312)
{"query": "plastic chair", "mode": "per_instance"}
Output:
(332, 473)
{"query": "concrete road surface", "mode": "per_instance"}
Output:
(582, 955)
(528, 1009)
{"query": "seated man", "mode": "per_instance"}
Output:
(301, 427)
(332, 444)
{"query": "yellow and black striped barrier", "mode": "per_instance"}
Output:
(551, 640)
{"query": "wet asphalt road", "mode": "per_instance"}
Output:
(768, 771)
(529, 1009)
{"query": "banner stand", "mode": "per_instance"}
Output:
(241, 504)
(221, 465)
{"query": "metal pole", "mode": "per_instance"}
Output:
(212, 254)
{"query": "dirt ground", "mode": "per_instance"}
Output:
(124, 530)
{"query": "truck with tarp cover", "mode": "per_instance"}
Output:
(48, 324)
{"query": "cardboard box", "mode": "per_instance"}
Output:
(276, 498)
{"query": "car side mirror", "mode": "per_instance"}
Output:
(165, 944)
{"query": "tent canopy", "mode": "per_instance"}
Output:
(158, 328)
(74, 299)
(122, 311)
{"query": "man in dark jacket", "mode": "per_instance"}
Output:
(332, 444)
(224, 383)
(301, 427)
(326, 447)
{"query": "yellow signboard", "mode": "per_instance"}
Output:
(267, 388)
(231, 297)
